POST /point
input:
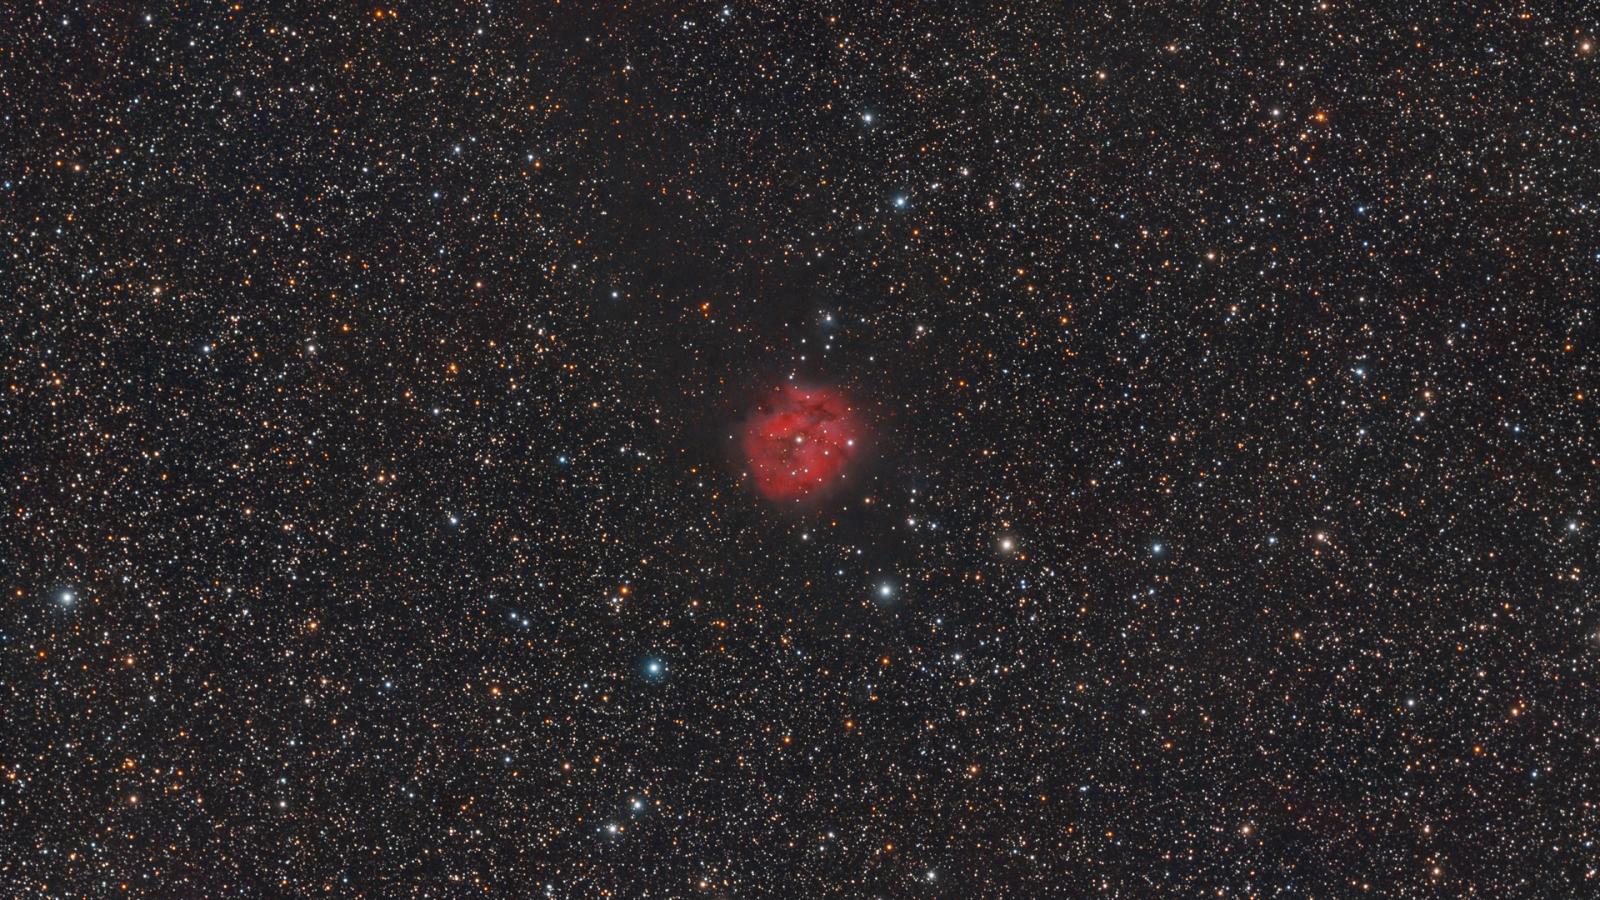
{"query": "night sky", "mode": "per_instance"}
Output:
(772, 450)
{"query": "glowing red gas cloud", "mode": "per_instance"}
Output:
(801, 442)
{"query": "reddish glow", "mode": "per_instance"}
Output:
(801, 441)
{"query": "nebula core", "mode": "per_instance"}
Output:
(801, 442)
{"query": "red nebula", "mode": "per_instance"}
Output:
(800, 442)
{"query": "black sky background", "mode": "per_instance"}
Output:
(371, 384)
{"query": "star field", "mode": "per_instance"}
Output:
(380, 518)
